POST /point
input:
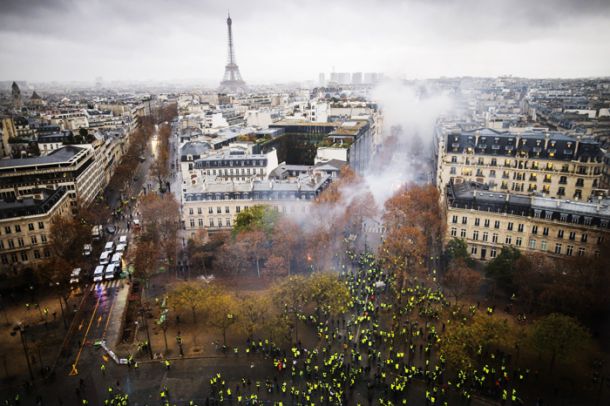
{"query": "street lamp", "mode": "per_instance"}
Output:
(21, 328)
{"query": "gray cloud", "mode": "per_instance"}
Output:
(290, 39)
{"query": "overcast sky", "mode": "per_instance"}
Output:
(283, 40)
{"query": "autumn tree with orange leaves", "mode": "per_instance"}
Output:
(414, 232)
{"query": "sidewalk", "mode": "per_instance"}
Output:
(116, 318)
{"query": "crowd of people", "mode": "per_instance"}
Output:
(386, 349)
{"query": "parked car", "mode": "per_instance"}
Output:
(120, 248)
(98, 274)
(110, 229)
(105, 257)
(87, 250)
(116, 259)
(109, 274)
(109, 246)
(123, 239)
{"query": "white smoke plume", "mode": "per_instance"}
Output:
(404, 152)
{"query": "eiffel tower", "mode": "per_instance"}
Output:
(232, 81)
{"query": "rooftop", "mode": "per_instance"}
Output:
(66, 154)
(39, 202)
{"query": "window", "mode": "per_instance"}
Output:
(486, 223)
(497, 224)
(4, 259)
(218, 209)
(509, 239)
(520, 228)
(192, 223)
(561, 191)
(548, 215)
(47, 253)
(454, 159)
(534, 229)
(494, 238)
(473, 250)
(31, 226)
(454, 219)
(191, 211)
(600, 239)
(518, 241)
(545, 231)
(477, 221)
(584, 237)
(581, 252)
(453, 232)
(34, 240)
(37, 254)
(7, 230)
(211, 222)
(485, 236)
(569, 250)
(198, 210)
(24, 256)
(237, 209)
(532, 244)
(17, 228)
(510, 226)
(558, 248)
(560, 234)
(463, 233)
(210, 210)
(493, 253)
(453, 170)
(464, 220)
(543, 245)
(43, 238)
(572, 235)
(200, 222)
(228, 222)
(475, 235)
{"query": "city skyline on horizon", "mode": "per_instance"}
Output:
(63, 41)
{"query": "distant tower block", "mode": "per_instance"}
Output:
(16, 95)
(232, 81)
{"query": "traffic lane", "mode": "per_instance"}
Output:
(91, 326)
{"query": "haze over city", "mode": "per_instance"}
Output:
(283, 41)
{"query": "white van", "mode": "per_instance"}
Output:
(123, 239)
(109, 246)
(98, 274)
(116, 259)
(109, 272)
(105, 257)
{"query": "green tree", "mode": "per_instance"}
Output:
(501, 269)
(256, 218)
(254, 312)
(290, 296)
(456, 249)
(222, 312)
(189, 296)
(560, 336)
(330, 295)
(466, 340)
